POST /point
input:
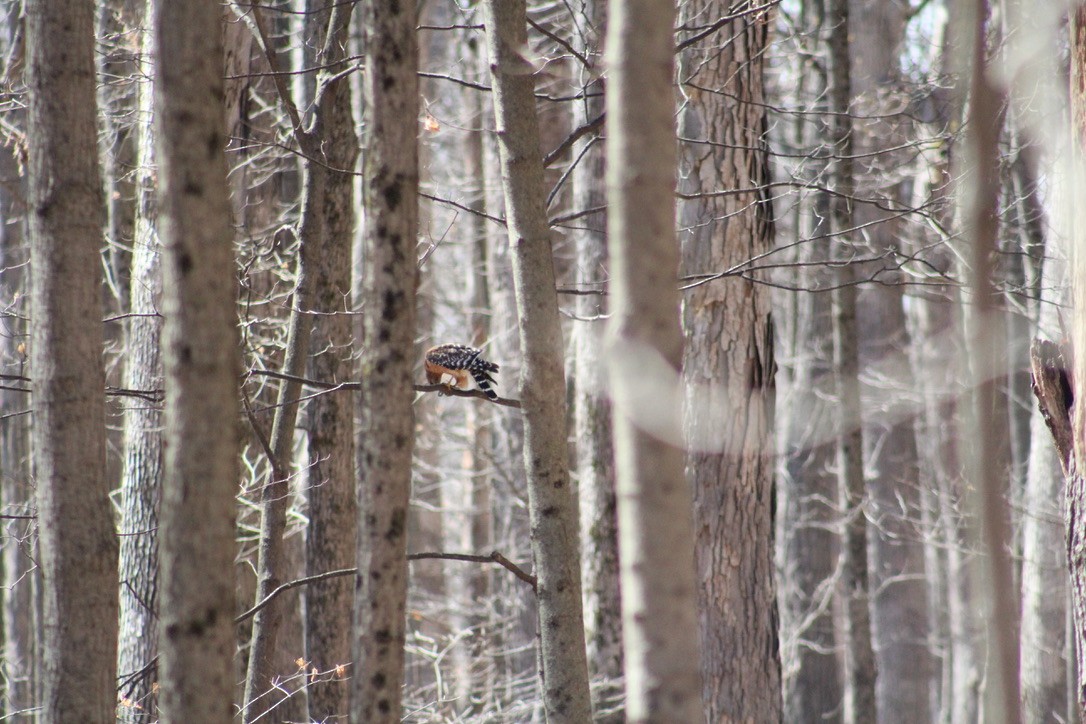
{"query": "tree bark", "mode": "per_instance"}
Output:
(542, 383)
(1043, 640)
(644, 353)
(729, 365)
(78, 548)
(809, 518)
(141, 477)
(331, 539)
(592, 405)
(896, 565)
(391, 178)
(1075, 492)
(273, 563)
(987, 437)
(202, 365)
(860, 673)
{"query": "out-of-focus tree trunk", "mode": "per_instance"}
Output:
(1044, 554)
(986, 437)
(542, 384)
(21, 582)
(468, 521)
(644, 353)
(808, 517)
(899, 604)
(592, 405)
(860, 673)
(141, 477)
(333, 512)
(201, 362)
(391, 178)
(118, 23)
(78, 546)
(729, 365)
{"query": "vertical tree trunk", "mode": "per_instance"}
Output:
(859, 704)
(592, 406)
(78, 547)
(21, 579)
(729, 364)
(391, 179)
(1044, 553)
(808, 517)
(896, 571)
(141, 477)
(986, 439)
(644, 353)
(331, 538)
(273, 563)
(542, 383)
(1076, 487)
(201, 361)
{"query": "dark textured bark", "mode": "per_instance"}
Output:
(141, 477)
(729, 365)
(542, 382)
(202, 365)
(78, 548)
(333, 512)
(391, 178)
(644, 353)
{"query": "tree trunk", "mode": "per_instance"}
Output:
(896, 571)
(592, 406)
(331, 538)
(21, 580)
(1044, 553)
(860, 674)
(1076, 486)
(729, 365)
(391, 177)
(78, 547)
(987, 437)
(542, 383)
(141, 477)
(273, 562)
(201, 361)
(809, 518)
(644, 354)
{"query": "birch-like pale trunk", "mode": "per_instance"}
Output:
(141, 476)
(552, 510)
(1075, 512)
(985, 439)
(592, 404)
(644, 353)
(77, 542)
(202, 363)
(387, 429)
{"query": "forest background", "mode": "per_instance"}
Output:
(768, 281)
